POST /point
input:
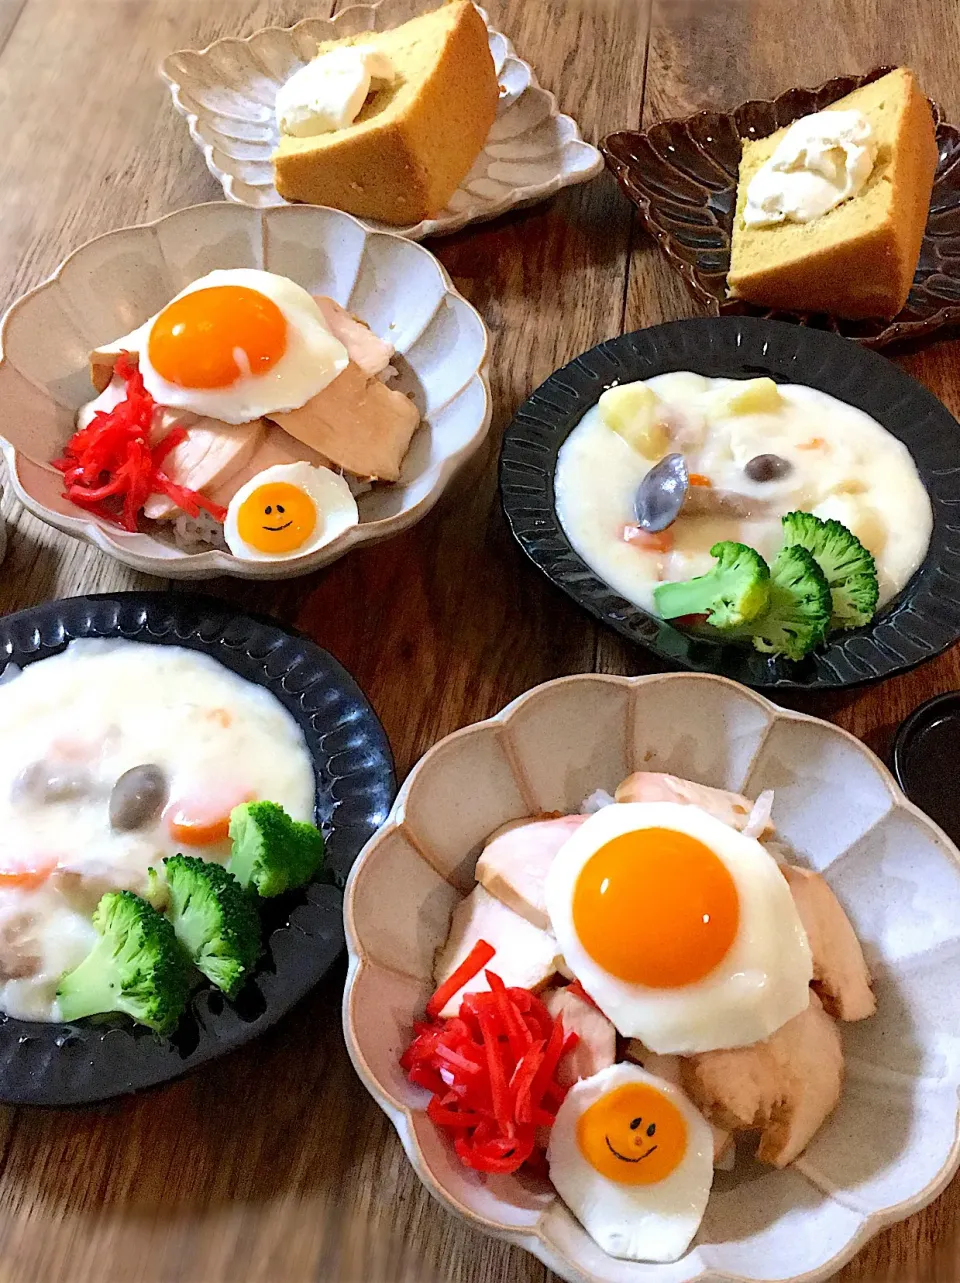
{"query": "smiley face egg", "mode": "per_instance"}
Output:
(681, 929)
(633, 1160)
(288, 510)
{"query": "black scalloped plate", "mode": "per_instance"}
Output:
(918, 624)
(93, 1060)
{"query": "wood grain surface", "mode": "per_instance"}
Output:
(274, 1166)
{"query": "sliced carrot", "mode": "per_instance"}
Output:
(27, 878)
(662, 541)
(472, 965)
(193, 832)
(815, 443)
(698, 479)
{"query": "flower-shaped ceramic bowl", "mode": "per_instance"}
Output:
(226, 93)
(838, 809)
(114, 283)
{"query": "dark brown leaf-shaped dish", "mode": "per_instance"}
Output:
(682, 177)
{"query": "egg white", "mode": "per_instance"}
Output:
(334, 503)
(634, 1222)
(761, 983)
(312, 360)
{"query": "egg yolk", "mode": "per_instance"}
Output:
(634, 1135)
(656, 907)
(212, 337)
(277, 517)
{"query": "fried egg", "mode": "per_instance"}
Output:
(633, 1160)
(287, 511)
(681, 929)
(235, 345)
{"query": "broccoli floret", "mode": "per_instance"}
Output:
(136, 967)
(850, 569)
(270, 851)
(799, 612)
(734, 592)
(215, 920)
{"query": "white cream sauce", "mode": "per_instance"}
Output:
(92, 713)
(845, 465)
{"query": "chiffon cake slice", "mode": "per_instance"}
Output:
(858, 260)
(415, 140)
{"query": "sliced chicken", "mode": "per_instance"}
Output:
(786, 1086)
(840, 974)
(668, 1068)
(525, 955)
(372, 354)
(514, 864)
(597, 1048)
(212, 452)
(650, 786)
(358, 423)
(276, 446)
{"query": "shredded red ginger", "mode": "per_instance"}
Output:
(491, 1069)
(110, 468)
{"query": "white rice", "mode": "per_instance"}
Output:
(198, 534)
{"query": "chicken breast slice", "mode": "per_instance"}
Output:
(514, 864)
(358, 423)
(276, 446)
(525, 956)
(364, 348)
(786, 1086)
(841, 977)
(212, 452)
(597, 1048)
(668, 1068)
(651, 786)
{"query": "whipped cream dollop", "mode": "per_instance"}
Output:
(329, 92)
(821, 161)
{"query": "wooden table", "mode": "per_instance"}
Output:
(274, 1166)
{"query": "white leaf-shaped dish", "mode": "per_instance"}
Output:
(226, 93)
(891, 1146)
(113, 283)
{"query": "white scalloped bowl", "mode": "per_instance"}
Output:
(115, 282)
(226, 93)
(891, 1146)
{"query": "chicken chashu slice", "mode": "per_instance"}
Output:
(358, 423)
(597, 1045)
(787, 1085)
(514, 864)
(524, 956)
(841, 977)
(652, 786)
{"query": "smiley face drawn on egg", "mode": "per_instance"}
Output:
(288, 510)
(633, 1160)
(277, 517)
(633, 1135)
